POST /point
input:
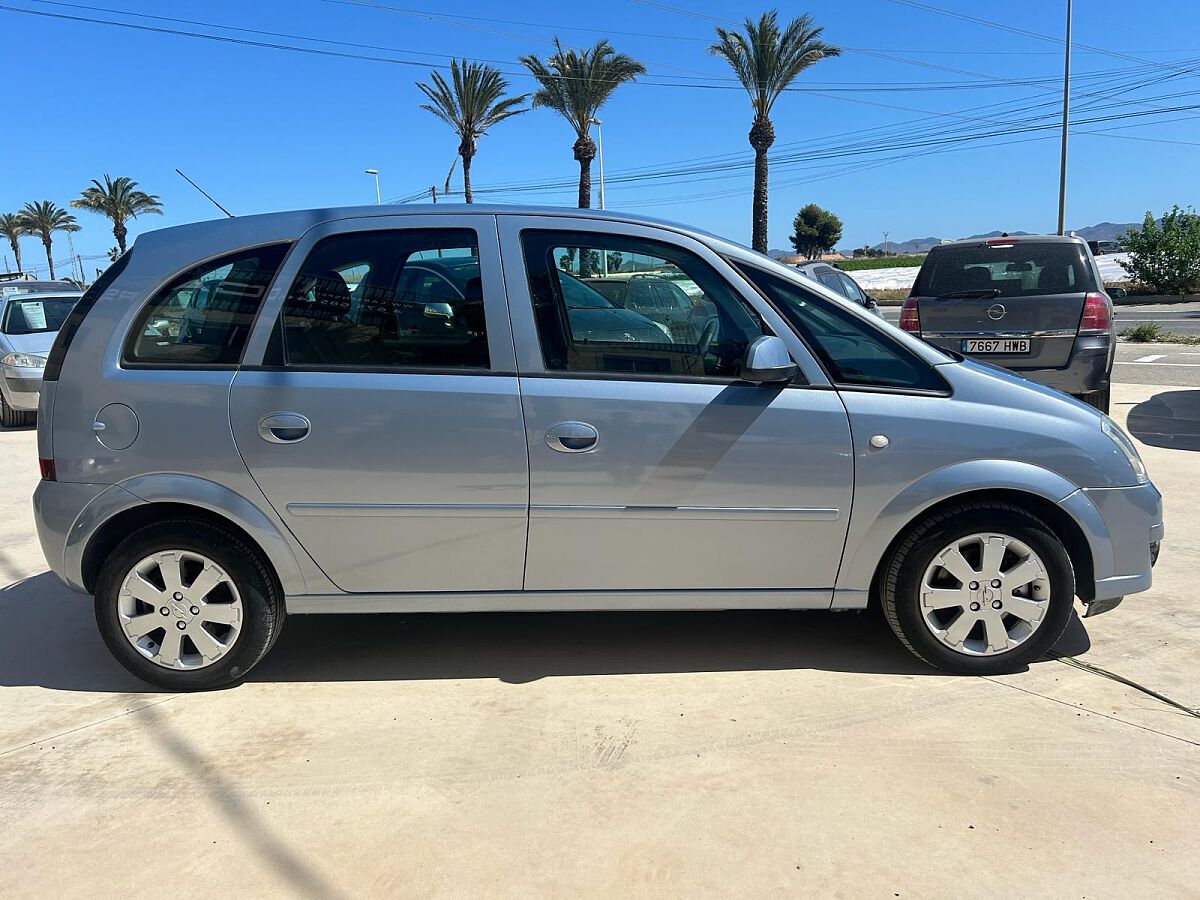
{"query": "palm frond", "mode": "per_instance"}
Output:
(118, 199)
(472, 101)
(44, 217)
(577, 83)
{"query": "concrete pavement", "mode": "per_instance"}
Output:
(736, 754)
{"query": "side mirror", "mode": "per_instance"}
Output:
(768, 362)
(1117, 293)
(439, 311)
(872, 303)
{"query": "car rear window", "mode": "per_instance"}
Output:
(70, 327)
(1020, 269)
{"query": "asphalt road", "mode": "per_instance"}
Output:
(1181, 318)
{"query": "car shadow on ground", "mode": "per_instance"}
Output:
(49, 639)
(1170, 419)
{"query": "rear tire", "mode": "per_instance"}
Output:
(14, 418)
(910, 597)
(246, 580)
(1098, 399)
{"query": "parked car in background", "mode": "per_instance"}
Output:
(658, 299)
(1099, 248)
(840, 283)
(28, 326)
(21, 285)
(1034, 304)
(288, 453)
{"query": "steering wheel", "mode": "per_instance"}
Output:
(708, 336)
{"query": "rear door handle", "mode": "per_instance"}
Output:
(283, 428)
(572, 437)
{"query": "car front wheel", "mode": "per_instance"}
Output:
(187, 605)
(979, 589)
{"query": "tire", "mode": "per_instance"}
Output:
(248, 581)
(15, 418)
(902, 583)
(1098, 399)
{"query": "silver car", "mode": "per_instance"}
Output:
(840, 283)
(292, 414)
(28, 325)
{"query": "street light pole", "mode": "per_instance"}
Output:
(600, 148)
(375, 172)
(885, 244)
(1062, 168)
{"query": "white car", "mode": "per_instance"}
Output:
(29, 324)
(840, 283)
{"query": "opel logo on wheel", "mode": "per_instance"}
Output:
(996, 311)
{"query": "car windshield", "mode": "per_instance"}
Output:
(579, 296)
(1020, 269)
(31, 316)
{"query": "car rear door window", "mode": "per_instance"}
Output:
(203, 317)
(388, 299)
(582, 331)
(855, 353)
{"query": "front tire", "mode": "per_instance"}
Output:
(15, 418)
(188, 605)
(980, 588)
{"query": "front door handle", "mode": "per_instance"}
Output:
(283, 428)
(572, 437)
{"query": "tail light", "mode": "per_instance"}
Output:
(910, 316)
(1096, 315)
(47, 467)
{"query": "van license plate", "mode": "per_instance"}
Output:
(1011, 346)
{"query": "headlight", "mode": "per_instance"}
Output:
(665, 330)
(24, 361)
(1125, 445)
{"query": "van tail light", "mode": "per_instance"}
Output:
(1096, 316)
(47, 467)
(910, 316)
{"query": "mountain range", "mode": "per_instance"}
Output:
(1102, 231)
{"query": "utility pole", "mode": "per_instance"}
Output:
(76, 262)
(1062, 169)
(433, 192)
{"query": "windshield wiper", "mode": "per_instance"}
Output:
(981, 292)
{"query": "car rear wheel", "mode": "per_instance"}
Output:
(1098, 399)
(187, 605)
(980, 589)
(15, 418)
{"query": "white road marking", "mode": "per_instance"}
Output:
(1177, 365)
(1151, 358)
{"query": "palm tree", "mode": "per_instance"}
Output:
(576, 84)
(120, 200)
(471, 106)
(767, 60)
(12, 226)
(43, 219)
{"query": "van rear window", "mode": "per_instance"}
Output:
(1021, 269)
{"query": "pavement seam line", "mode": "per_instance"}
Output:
(89, 725)
(1094, 712)
(1121, 679)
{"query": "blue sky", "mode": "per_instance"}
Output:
(266, 129)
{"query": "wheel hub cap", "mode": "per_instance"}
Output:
(180, 610)
(985, 594)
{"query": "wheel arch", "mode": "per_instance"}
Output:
(142, 501)
(1054, 499)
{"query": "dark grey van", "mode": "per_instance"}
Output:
(1033, 304)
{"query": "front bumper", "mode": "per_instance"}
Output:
(21, 387)
(1133, 519)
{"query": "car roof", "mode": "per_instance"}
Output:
(1014, 238)
(288, 225)
(44, 295)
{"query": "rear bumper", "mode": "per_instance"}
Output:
(57, 506)
(1087, 370)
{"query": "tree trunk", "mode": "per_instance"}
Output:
(120, 232)
(762, 136)
(16, 247)
(49, 258)
(467, 178)
(585, 152)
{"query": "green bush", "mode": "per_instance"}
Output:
(879, 262)
(1166, 256)
(1145, 333)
